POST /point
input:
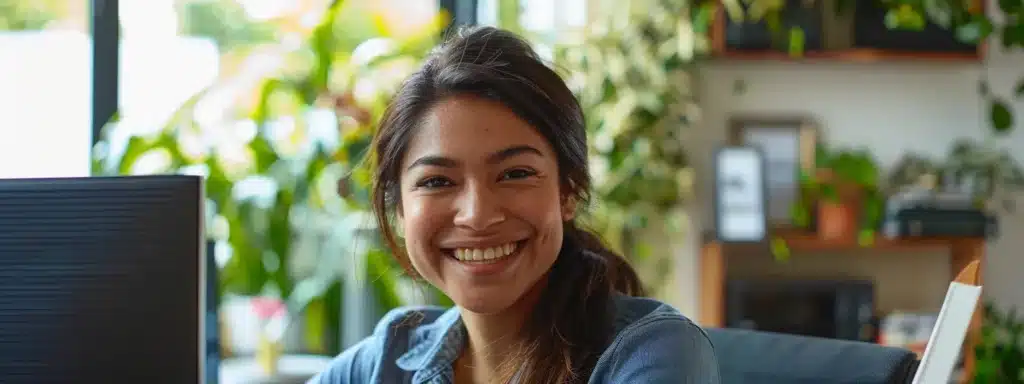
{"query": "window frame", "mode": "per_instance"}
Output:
(104, 28)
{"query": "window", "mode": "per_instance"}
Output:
(539, 16)
(544, 22)
(45, 51)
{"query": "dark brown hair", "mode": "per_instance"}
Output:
(572, 323)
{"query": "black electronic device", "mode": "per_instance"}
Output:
(838, 309)
(102, 280)
(933, 214)
(907, 223)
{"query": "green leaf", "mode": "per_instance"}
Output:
(780, 250)
(800, 214)
(1011, 6)
(1019, 91)
(796, 41)
(704, 17)
(904, 17)
(975, 31)
(136, 147)
(1000, 117)
(1013, 35)
(643, 251)
(866, 237)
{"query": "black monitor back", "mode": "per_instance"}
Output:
(101, 280)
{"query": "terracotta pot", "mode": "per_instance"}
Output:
(837, 221)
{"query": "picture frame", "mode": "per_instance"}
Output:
(740, 194)
(789, 143)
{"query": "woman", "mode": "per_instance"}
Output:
(481, 166)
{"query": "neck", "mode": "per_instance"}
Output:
(492, 338)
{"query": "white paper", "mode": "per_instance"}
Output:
(944, 345)
(741, 195)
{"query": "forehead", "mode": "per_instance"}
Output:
(469, 127)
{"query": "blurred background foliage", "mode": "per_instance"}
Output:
(281, 138)
(633, 71)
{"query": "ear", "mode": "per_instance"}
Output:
(568, 207)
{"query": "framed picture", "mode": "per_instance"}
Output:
(788, 144)
(740, 191)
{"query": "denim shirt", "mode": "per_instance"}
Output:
(652, 344)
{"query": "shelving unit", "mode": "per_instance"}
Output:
(852, 55)
(720, 49)
(714, 267)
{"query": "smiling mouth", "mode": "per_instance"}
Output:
(485, 255)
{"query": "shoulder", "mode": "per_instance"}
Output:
(361, 363)
(656, 344)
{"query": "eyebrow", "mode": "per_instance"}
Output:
(494, 158)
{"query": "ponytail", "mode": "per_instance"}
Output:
(621, 275)
(573, 320)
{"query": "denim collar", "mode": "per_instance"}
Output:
(434, 347)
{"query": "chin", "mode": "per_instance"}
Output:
(485, 304)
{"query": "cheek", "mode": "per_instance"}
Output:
(544, 211)
(421, 222)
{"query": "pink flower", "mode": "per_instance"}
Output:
(267, 307)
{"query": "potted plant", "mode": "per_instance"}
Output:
(841, 197)
(988, 173)
(1000, 353)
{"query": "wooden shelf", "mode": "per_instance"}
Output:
(714, 265)
(799, 241)
(853, 55)
(843, 52)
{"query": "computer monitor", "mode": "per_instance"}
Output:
(101, 280)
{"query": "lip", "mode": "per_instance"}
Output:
(492, 268)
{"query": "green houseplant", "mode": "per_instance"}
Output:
(1000, 353)
(971, 24)
(287, 189)
(632, 71)
(983, 169)
(841, 200)
(966, 18)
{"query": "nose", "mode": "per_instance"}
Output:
(478, 208)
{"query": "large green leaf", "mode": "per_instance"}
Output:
(1000, 116)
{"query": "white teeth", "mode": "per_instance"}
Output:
(485, 254)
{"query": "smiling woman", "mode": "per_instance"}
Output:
(482, 164)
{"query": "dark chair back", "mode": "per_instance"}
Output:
(752, 357)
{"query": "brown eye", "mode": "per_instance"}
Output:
(434, 182)
(518, 173)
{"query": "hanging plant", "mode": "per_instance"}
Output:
(632, 71)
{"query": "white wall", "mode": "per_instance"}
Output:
(888, 107)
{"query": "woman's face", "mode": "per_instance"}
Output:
(481, 208)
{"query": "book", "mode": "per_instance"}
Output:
(947, 337)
